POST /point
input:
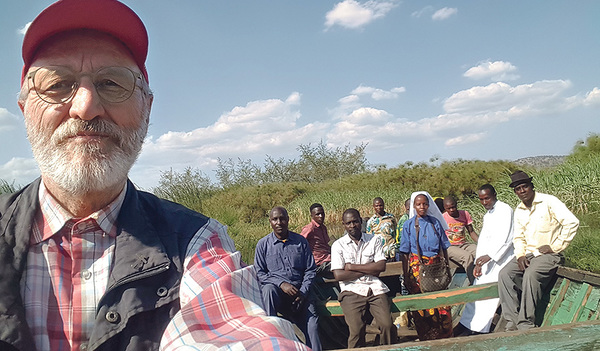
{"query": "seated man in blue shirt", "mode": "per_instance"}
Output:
(286, 269)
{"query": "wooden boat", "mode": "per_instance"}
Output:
(569, 315)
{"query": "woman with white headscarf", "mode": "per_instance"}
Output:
(431, 323)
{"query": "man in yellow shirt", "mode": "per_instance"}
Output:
(543, 228)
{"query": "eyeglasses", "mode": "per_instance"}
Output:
(57, 84)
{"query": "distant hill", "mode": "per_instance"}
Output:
(540, 161)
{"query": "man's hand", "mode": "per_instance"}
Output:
(480, 261)
(523, 263)
(545, 249)
(289, 289)
(297, 303)
(477, 271)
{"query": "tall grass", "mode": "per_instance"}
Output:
(245, 209)
(6, 187)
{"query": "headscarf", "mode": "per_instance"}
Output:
(432, 211)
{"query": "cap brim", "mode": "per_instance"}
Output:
(108, 16)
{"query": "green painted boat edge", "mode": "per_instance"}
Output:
(574, 336)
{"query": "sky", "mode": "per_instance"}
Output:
(413, 80)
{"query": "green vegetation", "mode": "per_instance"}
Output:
(244, 209)
(315, 164)
(6, 187)
(245, 195)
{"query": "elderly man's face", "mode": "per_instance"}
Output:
(86, 144)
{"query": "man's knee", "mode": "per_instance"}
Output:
(270, 290)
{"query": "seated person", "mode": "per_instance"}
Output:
(286, 269)
(543, 228)
(384, 225)
(356, 261)
(425, 221)
(494, 250)
(315, 233)
(461, 251)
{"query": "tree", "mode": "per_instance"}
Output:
(315, 164)
(188, 188)
(586, 149)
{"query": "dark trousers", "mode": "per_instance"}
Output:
(304, 316)
(355, 308)
(520, 291)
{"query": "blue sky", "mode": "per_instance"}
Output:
(414, 79)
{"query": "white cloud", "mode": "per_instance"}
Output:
(422, 11)
(444, 13)
(592, 98)
(465, 139)
(255, 130)
(353, 14)
(378, 94)
(23, 30)
(19, 171)
(474, 110)
(539, 96)
(274, 127)
(496, 71)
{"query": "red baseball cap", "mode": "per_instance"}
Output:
(108, 16)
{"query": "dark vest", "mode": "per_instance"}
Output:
(143, 288)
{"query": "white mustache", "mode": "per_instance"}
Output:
(73, 126)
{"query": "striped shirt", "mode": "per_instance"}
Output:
(69, 263)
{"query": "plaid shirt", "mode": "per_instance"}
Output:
(69, 263)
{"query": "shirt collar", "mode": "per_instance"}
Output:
(55, 216)
(349, 239)
(315, 223)
(274, 239)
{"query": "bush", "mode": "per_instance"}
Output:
(189, 188)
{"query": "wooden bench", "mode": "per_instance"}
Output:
(435, 299)
(450, 297)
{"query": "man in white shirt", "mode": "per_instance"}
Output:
(494, 251)
(543, 228)
(356, 260)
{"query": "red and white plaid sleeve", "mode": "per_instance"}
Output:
(221, 302)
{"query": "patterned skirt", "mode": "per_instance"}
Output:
(433, 323)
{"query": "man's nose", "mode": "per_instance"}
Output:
(86, 103)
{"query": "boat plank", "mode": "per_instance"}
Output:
(580, 300)
(428, 300)
(569, 337)
(556, 302)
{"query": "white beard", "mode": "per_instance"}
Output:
(80, 168)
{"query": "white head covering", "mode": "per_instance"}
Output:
(432, 211)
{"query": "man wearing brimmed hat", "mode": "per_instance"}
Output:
(543, 228)
(87, 261)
